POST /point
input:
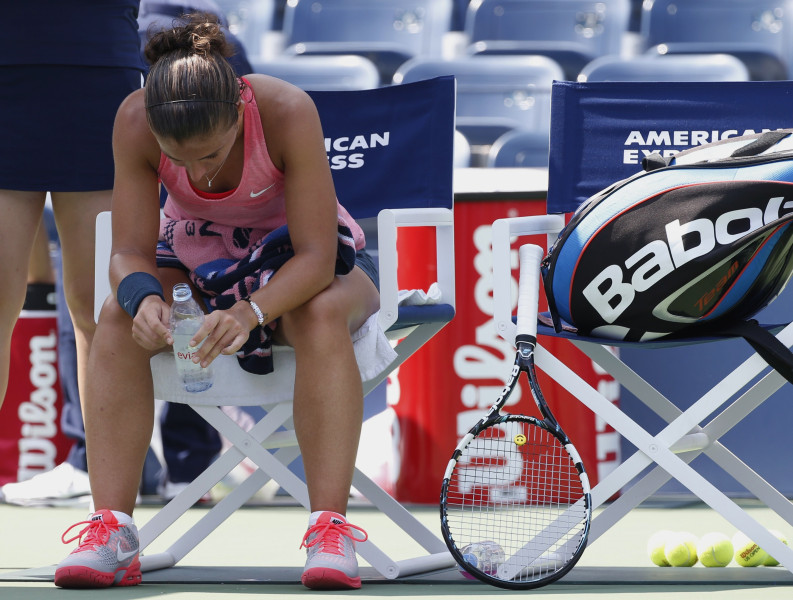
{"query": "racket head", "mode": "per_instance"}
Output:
(516, 478)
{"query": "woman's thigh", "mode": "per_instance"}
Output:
(21, 214)
(352, 297)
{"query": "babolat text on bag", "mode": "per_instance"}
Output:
(695, 244)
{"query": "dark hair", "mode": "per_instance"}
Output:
(191, 89)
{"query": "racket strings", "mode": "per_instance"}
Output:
(515, 484)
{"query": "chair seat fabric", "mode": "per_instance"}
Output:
(233, 386)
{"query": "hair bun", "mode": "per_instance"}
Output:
(198, 33)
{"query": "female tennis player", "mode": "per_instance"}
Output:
(240, 159)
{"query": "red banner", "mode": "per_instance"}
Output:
(440, 392)
(31, 440)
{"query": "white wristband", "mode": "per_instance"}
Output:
(257, 310)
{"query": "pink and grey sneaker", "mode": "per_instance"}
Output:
(106, 555)
(330, 544)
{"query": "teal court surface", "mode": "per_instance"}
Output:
(256, 554)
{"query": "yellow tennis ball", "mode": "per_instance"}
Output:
(655, 547)
(747, 553)
(770, 561)
(680, 549)
(715, 550)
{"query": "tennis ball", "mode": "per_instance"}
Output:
(715, 550)
(680, 549)
(770, 561)
(655, 548)
(747, 553)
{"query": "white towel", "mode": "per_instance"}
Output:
(420, 297)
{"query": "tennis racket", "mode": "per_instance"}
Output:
(515, 501)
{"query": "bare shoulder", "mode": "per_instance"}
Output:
(290, 122)
(132, 112)
(131, 131)
(277, 98)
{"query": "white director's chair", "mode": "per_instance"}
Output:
(591, 113)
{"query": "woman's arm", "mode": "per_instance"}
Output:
(136, 215)
(296, 145)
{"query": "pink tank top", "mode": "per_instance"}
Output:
(258, 202)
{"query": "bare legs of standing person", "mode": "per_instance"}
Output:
(75, 216)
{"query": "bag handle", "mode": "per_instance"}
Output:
(761, 144)
(765, 343)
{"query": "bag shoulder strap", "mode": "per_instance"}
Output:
(765, 343)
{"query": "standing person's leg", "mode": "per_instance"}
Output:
(21, 215)
(328, 414)
(75, 217)
(72, 416)
(67, 483)
(40, 267)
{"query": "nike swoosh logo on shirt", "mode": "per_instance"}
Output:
(122, 556)
(257, 194)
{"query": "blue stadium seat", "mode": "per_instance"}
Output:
(673, 67)
(572, 32)
(759, 32)
(462, 151)
(250, 20)
(388, 32)
(458, 15)
(520, 148)
(495, 94)
(155, 15)
(323, 72)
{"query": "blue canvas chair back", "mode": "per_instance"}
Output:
(601, 131)
(407, 131)
(403, 132)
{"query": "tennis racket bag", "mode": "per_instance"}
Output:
(693, 245)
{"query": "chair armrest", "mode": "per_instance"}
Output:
(504, 259)
(388, 220)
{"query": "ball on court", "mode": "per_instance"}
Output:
(655, 548)
(747, 553)
(770, 561)
(715, 550)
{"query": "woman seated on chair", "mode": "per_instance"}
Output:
(201, 131)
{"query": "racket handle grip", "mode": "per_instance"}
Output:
(529, 289)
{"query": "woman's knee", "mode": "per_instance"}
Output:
(13, 301)
(113, 315)
(81, 307)
(323, 312)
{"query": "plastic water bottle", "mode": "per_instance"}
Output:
(186, 319)
(486, 556)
